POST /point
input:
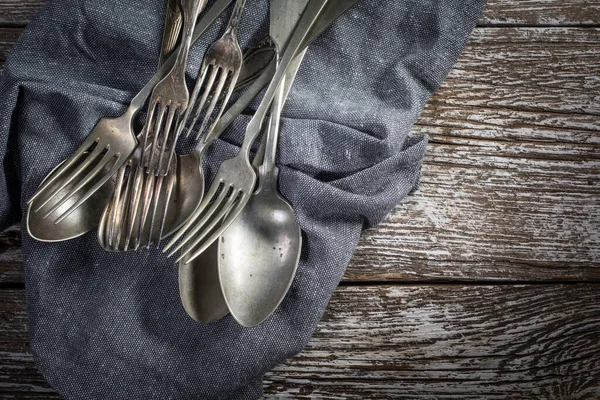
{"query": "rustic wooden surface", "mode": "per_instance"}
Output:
(483, 284)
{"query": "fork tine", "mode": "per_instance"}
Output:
(117, 221)
(64, 167)
(199, 82)
(123, 207)
(208, 229)
(157, 131)
(116, 201)
(197, 225)
(207, 90)
(180, 125)
(218, 232)
(168, 139)
(215, 99)
(146, 132)
(171, 184)
(81, 183)
(148, 184)
(133, 203)
(91, 157)
(190, 221)
(155, 198)
(94, 188)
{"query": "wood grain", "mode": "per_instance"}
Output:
(421, 342)
(468, 342)
(497, 12)
(541, 13)
(18, 12)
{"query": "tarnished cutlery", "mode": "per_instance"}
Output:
(259, 252)
(169, 100)
(86, 217)
(235, 179)
(199, 284)
(169, 97)
(178, 201)
(222, 64)
(105, 150)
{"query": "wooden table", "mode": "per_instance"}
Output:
(484, 283)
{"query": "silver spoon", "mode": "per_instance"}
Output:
(259, 252)
(200, 293)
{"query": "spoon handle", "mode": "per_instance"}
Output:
(268, 171)
(309, 16)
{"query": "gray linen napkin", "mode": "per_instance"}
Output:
(111, 326)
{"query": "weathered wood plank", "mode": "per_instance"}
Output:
(11, 258)
(528, 69)
(18, 12)
(492, 342)
(497, 12)
(440, 341)
(510, 185)
(541, 12)
(8, 37)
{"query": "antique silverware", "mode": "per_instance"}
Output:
(222, 63)
(169, 100)
(179, 200)
(199, 285)
(82, 220)
(86, 217)
(236, 178)
(258, 254)
(170, 96)
(105, 150)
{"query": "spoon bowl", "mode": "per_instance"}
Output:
(256, 274)
(200, 290)
(84, 219)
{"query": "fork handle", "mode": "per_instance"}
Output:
(173, 20)
(234, 20)
(208, 18)
(190, 10)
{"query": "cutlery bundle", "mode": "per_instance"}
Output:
(237, 242)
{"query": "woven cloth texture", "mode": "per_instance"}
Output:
(111, 325)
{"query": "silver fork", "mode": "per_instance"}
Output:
(222, 63)
(116, 231)
(224, 60)
(169, 96)
(106, 148)
(236, 177)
